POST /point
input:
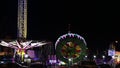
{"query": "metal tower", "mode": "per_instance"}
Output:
(20, 45)
(22, 19)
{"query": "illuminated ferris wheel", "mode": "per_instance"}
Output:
(70, 48)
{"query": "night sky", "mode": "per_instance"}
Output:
(96, 21)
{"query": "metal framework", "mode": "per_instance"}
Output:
(22, 18)
(21, 44)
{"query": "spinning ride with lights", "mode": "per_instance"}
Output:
(70, 48)
(21, 44)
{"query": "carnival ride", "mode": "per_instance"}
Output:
(21, 44)
(70, 48)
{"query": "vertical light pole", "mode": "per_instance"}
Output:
(94, 56)
(70, 62)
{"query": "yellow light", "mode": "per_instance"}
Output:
(78, 47)
(21, 53)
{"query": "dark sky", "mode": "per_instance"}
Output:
(96, 21)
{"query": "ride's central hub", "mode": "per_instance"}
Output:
(71, 50)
